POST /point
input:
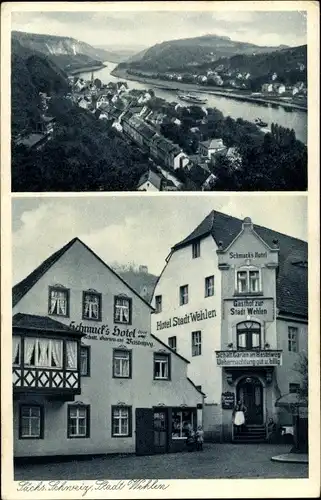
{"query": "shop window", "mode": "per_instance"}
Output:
(248, 281)
(43, 353)
(209, 286)
(196, 249)
(123, 310)
(182, 422)
(71, 355)
(294, 388)
(122, 363)
(91, 306)
(78, 421)
(121, 421)
(183, 295)
(196, 343)
(248, 335)
(161, 366)
(293, 334)
(85, 360)
(31, 422)
(158, 303)
(172, 342)
(58, 301)
(16, 350)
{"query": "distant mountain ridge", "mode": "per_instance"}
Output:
(174, 54)
(67, 52)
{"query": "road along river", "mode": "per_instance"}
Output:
(250, 111)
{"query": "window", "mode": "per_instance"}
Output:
(71, 355)
(209, 286)
(162, 366)
(91, 306)
(183, 295)
(43, 353)
(31, 422)
(121, 421)
(292, 339)
(78, 421)
(196, 249)
(172, 341)
(122, 363)
(122, 310)
(294, 388)
(58, 301)
(182, 422)
(248, 281)
(196, 343)
(248, 335)
(85, 360)
(16, 350)
(158, 303)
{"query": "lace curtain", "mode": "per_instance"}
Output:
(71, 355)
(15, 349)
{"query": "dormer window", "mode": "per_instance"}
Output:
(248, 280)
(58, 301)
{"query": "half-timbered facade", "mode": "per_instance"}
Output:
(88, 375)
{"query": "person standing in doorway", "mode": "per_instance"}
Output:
(239, 417)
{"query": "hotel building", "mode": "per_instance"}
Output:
(88, 375)
(233, 299)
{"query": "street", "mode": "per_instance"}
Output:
(214, 462)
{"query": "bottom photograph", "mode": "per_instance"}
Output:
(160, 337)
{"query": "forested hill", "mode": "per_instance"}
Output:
(189, 52)
(67, 52)
(31, 73)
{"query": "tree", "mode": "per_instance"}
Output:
(97, 83)
(301, 367)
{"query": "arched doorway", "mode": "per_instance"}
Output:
(250, 391)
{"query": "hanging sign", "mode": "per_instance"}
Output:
(228, 400)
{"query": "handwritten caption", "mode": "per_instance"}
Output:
(84, 489)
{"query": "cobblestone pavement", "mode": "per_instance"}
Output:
(215, 461)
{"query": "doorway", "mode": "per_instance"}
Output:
(160, 431)
(250, 391)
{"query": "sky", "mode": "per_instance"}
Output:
(136, 229)
(137, 28)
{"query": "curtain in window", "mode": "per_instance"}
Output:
(58, 302)
(91, 306)
(30, 345)
(56, 353)
(241, 340)
(255, 339)
(71, 355)
(15, 349)
(122, 310)
(43, 352)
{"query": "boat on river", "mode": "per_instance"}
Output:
(194, 99)
(260, 123)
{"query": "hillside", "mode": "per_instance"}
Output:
(188, 52)
(66, 52)
(31, 73)
(143, 282)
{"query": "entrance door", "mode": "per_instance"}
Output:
(160, 431)
(144, 431)
(250, 391)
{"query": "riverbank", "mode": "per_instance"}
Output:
(85, 69)
(240, 96)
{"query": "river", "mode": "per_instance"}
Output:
(295, 119)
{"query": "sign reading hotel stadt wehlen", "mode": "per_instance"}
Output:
(249, 358)
(188, 318)
(259, 308)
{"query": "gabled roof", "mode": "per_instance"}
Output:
(151, 177)
(20, 289)
(42, 323)
(292, 275)
(213, 143)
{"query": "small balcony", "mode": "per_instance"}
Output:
(45, 358)
(246, 358)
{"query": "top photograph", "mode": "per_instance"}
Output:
(158, 101)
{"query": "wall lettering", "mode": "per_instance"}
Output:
(188, 318)
(257, 308)
(248, 255)
(117, 334)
